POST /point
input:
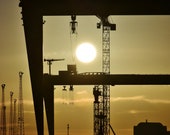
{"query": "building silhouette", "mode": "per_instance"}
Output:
(150, 128)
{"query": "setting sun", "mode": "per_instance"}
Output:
(85, 52)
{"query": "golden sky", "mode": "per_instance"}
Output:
(140, 45)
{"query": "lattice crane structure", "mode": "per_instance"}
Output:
(20, 107)
(3, 112)
(11, 114)
(102, 92)
(42, 85)
(15, 119)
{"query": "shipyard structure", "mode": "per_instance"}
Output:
(150, 128)
(16, 123)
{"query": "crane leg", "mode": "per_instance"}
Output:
(49, 106)
(33, 25)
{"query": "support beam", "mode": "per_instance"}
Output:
(101, 7)
(33, 22)
(113, 79)
(48, 92)
(34, 10)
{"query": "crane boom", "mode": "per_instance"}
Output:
(49, 62)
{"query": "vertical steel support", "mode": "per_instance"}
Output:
(102, 104)
(33, 28)
(106, 88)
(48, 92)
(3, 113)
(11, 114)
(20, 107)
(15, 129)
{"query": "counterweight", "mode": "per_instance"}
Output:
(20, 107)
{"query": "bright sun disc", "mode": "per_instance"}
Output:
(86, 52)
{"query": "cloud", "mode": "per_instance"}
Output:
(116, 99)
(134, 98)
(112, 99)
(72, 101)
(81, 92)
(141, 98)
(133, 111)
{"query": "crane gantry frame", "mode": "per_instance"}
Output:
(32, 15)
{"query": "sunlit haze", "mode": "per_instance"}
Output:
(140, 45)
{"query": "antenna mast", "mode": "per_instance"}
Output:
(20, 107)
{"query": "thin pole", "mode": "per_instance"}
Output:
(68, 129)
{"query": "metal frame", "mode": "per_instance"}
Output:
(32, 15)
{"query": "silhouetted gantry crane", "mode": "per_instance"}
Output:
(42, 85)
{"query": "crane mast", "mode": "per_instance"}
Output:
(20, 107)
(102, 92)
(3, 113)
(49, 62)
(15, 119)
(11, 114)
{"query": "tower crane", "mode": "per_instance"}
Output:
(11, 114)
(3, 113)
(49, 62)
(102, 93)
(20, 107)
(15, 119)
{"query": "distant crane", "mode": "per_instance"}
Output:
(68, 127)
(49, 62)
(15, 119)
(11, 114)
(20, 107)
(3, 113)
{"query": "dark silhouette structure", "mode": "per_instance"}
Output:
(150, 128)
(42, 87)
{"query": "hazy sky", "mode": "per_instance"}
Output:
(141, 44)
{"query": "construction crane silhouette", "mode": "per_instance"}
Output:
(11, 114)
(15, 119)
(21, 130)
(102, 93)
(3, 113)
(33, 23)
(49, 62)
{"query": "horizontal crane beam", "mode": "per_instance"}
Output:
(113, 79)
(98, 7)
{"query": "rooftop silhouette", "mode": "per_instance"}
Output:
(150, 128)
